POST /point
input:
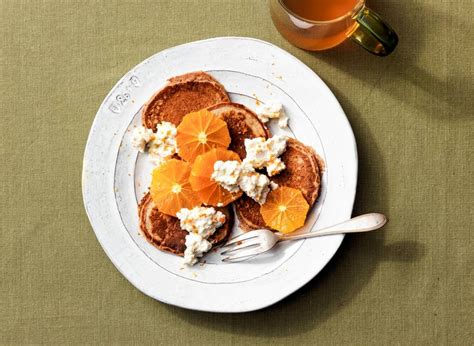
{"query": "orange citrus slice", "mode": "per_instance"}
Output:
(199, 132)
(285, 209)
(170, 188)
(209, 191)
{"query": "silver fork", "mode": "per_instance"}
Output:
(259, 241)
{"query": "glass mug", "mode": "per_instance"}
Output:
(323, 24)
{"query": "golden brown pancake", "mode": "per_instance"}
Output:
(165, 233)
(198, 76)
(182, 95)
(241, 122)
(302, 172)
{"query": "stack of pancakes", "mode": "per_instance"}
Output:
(192, 92)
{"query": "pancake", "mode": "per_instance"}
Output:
(241, 122)
(302, 172)
(164, 232)
(182, 95)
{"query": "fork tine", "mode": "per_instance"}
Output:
(238, 259)
(240, 247)
(242, 255)
(244, 235)
(245, 255)
(240, 238)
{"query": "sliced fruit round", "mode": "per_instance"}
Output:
(170, 188)
(285, 209)
(199, 132)
(209, 191)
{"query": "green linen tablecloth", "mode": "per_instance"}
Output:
(412, 115)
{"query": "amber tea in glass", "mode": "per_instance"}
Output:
(323, 24)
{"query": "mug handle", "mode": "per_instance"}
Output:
(374, 34)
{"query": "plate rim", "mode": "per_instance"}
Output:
(355, 162)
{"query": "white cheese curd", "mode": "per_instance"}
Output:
(164, 144)
(264, 153)
(273, 186)
(272, 110)
(140, 138)
(196, 246)
(160, 144)
(201, 223)
(275, 167)
(227, 174)
(200, 220)
(234, 176)
(255, 185)
(283, 121)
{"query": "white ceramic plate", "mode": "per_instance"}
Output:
(115, 177)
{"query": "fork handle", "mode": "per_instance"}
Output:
(362, 223)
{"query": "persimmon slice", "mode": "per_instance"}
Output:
(170, 188)
(200, 132)
(285, 209)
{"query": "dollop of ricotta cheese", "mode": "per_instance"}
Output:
(273, 186)
(255, 185)
(140, 138)
(201, 223)
(265, 153)
(160, 144)
(234, 176)
(200, 220)
(164, 144)
(272, 110)
(227, 174)
(196, 246)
